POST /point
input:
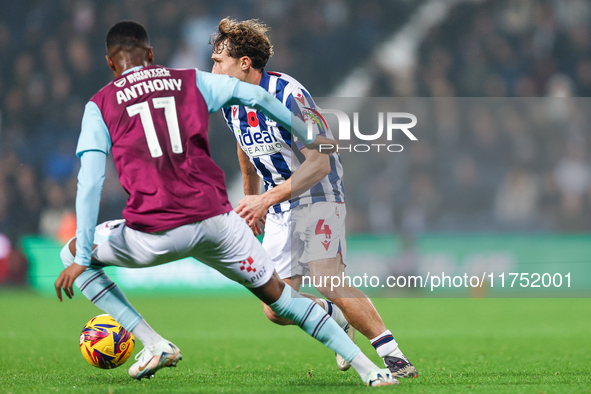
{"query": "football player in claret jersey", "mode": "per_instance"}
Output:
(154, 121)
(303, 206)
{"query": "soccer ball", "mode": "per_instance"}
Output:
(105, 344)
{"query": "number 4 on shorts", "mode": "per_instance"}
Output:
(323, 230)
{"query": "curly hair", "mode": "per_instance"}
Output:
(247, 38)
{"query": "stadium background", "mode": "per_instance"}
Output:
(500, 178)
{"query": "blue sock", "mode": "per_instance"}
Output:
(103, 293)
(315, 321)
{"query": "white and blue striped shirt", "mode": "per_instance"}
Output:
(269, 145)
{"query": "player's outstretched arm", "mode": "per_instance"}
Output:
(256, 97)
(93, 146)
(90, 184)
(222, 91)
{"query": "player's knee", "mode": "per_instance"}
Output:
(274, 317)
(66, 254)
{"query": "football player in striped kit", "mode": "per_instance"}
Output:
(303, 206)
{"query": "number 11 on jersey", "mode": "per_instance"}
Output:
(172, 123)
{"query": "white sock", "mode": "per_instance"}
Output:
(397, 353)
(146, 334)
(334, 312)
(386, 345)
(362, 364)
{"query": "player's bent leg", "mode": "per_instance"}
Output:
(229, 246)
(311, 318)
(96, 285)
(361, 313)
(279, 243)
(272, 316)
(355, 305)
(335, 313)
(102, 291)
(324, 304)
(332, 310)
(275, 318)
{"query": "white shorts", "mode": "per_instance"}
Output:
(307, 233)
(223, 242)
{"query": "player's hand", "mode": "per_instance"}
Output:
(252, 208)
(323, 145)
(66, 280)
(256, 227)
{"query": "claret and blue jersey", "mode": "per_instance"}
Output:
(270, 147)
(153, 120)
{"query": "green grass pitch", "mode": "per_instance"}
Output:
(458, 346)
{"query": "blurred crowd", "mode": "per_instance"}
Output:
(493, 170)
(480, 164)
(52, 62)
